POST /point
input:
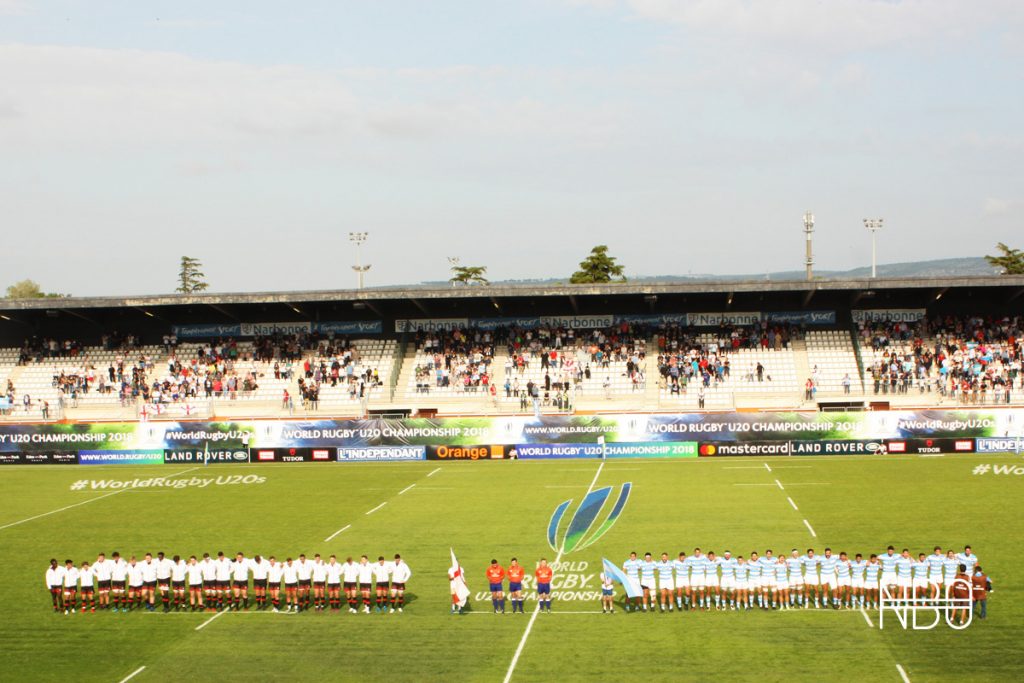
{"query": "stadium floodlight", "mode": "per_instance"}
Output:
(358, 238)
(809, 228)
(874, 225)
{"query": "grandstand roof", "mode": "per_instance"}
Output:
(150, 312)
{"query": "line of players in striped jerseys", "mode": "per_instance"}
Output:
(193, 584)
(702, 581)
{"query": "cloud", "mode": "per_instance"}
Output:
(14, 8)
(994, 206)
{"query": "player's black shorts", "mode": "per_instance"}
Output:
(136, 588)
(259, 583)
(223, 585)
(241, 584)
(305, 583)
(364, 586)
(104, 585)
(195, 586)
(178, 585)
(164, 583)
(382, 586)
(70, 589)
(333, 586)
(56, 589)
(350, 585)
(290, 586)
(87, 591)
(119, 585)
(209, 584)
(398, 586)
(149, 584)
(319, 584)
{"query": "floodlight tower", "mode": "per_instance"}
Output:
(874, 225)
(358, 238)
(453, 263)
(808, 229)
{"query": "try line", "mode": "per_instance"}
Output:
(536, 608)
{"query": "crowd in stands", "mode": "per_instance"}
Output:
(971, 359)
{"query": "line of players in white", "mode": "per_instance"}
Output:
(700, 581)
(223, 583)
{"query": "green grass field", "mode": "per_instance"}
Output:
(501, 509)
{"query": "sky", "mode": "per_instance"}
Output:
(688, 136)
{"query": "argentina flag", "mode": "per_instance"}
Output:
(631, 586)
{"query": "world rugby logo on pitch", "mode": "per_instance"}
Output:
(578, 533)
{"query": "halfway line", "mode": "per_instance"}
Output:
(406, 489)
(377, 508)
(903, 674)
(779, 484)
(810, 529)
(202, 625)
(132, 674)
(767, 468)
(52, 512)
(434, 472)
(792, 503)
(536, 609)
(336, 532)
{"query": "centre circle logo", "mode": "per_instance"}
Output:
(577, 533)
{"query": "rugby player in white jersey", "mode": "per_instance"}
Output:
(149, 570)
(827, 576)
(305, 569)
(905, 574)
(55, 584)
(101, 569)
(194, 575)
(632, 568)
(857, 579)
(365, 581)
(812, 582)
(290, 573)
(178, 572)
(382, 583)
(647, 582)
(796, 578)
(950, 566)
(888, 562)
(333, 568)
(319, 574)
(70, 587)
(350, 582)
(119, 582)
(666, 583)
(872, 572)
(260, 570)
(86, 580)
(711, 582)
(223, 565)
(682, 580)
(728, 586)
(754, 571)
(209, 571)
(400, 575)
(136, 584)
(697, 562)
(935, 571)
(767, 578)
(239, 583)
(843, 582)
(742, 583)
(968, 559)
(781, 597)
(275, 572)
(164, 567)
(921, 577)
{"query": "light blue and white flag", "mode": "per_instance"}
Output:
(632, 586)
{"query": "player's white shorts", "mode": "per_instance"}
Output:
(796, 581)
(920, 582)
(666, 584)
(935, 579)
(843, 581)
(948, 581)
(811, 579)
(711, 581)
(782, 585)
(697, 581)
(741, 584)
(828, 579)
(888, 579)
(858, 582)
(767, 582)
(904, 582)
(683, 581)
(728, 582)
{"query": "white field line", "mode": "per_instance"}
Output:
(536, 609)
(753, 484)
(67, 507)
(432, 473)
(808, 525)
(812, 483)
(406, 489)
(867, 618)
(767, 467)
(133, 674)
(903, 674)
(203, 625)
(337, 532)
(742, 467)
(792, 503)
(779, 484)
(490, 614)
(377, 508)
